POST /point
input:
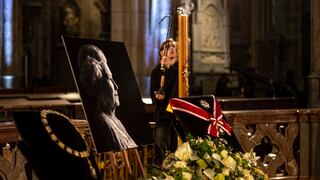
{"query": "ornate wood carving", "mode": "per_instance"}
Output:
(12, 165)
(273, 135)
(281, 145)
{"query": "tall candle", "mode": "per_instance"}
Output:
(183, 71)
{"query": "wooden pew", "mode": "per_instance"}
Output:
(257, 103)
(112, 165)
(289, 137)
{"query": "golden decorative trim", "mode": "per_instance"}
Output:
(62, 145)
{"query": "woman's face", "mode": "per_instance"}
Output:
(170, 51)
(109, 91)
(96, 77)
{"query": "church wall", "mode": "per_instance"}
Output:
(128, 26)
(313, 78)
(89, 26)
(269, 36)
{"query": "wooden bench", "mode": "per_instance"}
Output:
(286, 139)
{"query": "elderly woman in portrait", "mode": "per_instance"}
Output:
(96, 79)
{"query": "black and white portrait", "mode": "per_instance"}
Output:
(96, 78)
(109, 93)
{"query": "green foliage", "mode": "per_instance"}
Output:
(202, 159)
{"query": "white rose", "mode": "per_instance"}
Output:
(194, 156)
(180, 164)
(245, 172)
(186, 175)
(230, 163)
(183, 152)
(209, 173)
(225, 171)
(250, 177)
(224, 154)
(206, 156)
(216, 156)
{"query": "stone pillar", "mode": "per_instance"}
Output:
(11, 44)
(128, 26)
(314, 77)
(309, 130)
(210, 43)
(211, 37)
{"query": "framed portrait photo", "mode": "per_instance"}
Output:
(109, 93)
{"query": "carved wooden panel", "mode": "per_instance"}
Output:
(12, 165)
(272, 138)
(273, 135)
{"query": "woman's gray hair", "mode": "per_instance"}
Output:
(90, 59)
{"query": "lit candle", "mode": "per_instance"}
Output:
(183, 71)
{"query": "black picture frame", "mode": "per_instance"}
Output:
(131, 111)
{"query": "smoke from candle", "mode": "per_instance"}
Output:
(185, 8)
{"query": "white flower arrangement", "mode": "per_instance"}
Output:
(209, 159)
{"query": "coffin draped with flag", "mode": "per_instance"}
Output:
(201, 116)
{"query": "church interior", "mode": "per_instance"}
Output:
(260, 59)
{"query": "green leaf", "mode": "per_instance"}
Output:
(202, 163)
(219, 176)
(216, 164)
